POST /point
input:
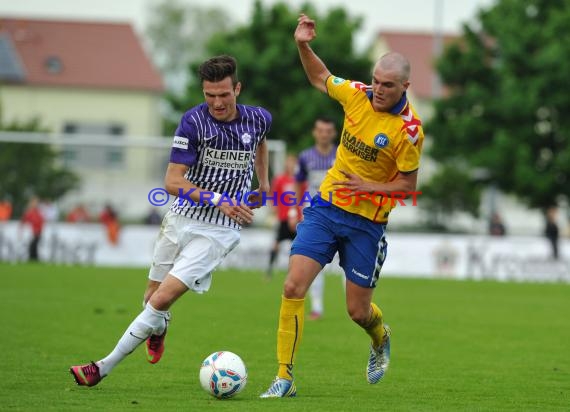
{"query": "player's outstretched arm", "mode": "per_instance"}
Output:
(314, 67)
(262, 165)
(262, 172)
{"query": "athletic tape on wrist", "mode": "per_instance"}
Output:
(216, 198)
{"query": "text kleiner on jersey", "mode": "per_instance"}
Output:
(220, 155)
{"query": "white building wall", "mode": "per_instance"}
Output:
(137, 110)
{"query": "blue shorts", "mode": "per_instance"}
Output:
(360, 243)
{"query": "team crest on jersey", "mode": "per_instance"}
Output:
(246, 138)
(337, 80)
(381, 140)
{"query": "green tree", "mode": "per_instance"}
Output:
(272, 75)
(177, 35)
(506, 110)
(450, 189)
(31, 169)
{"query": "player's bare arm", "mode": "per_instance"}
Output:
(314, 67)
(262, 172)
(403, 183)
(175, 181)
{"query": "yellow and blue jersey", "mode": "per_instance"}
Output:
(374, 145)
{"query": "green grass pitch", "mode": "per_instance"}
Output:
(475, 346)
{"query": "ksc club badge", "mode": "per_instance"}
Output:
(381, 141)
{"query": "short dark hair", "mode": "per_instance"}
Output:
(325, 119)
(218, 68)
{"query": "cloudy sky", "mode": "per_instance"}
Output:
(408, 15)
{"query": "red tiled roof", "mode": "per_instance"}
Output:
(419, 49)
(88, 54)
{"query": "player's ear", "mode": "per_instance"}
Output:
(237, 89)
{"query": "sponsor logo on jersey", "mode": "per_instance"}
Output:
(359, 148)
(180, 142)
(227, 159)
(381, 140)
(337, 80)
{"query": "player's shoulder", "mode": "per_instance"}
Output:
(409, 124)
(353, 86)
(307, 152)
(256, 112)
(192, 121)
(413, 111)
(195, 114)
(201, 109)
(407, 115)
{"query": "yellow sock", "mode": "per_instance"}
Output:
(375, 326)
(291, 321)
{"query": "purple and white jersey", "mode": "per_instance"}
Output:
(313, 167)
(221, 156)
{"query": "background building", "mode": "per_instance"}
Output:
(91, 80)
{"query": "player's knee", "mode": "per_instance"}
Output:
(359, 315)
(161, 300)
(294, 290)
(150, 289)
(147, 295)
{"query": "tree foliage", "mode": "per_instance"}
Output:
(31, 169)
(177, 34)
(507, 108)
(450, 189)
(271, 72)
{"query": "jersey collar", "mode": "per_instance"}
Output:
(401, 105)
(398, 107)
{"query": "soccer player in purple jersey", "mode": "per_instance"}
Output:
(313, 165)
(217, 146)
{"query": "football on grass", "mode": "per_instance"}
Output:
(223, 374)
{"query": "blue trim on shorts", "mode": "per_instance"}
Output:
(361, 243)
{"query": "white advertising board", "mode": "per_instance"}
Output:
(409, 255)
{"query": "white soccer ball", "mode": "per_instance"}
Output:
(223, 374)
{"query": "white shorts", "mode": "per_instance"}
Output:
(190, 250)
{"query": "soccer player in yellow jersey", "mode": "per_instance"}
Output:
(377, 160)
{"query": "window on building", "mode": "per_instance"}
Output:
(94, 156)
(53, 65)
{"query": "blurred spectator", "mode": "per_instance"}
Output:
(49, 210)
(153, 218)
(109, 218)
(283, 188)
(78, 214)
(496, 225)
(551, 230)
(5, 209)
(33, 217)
